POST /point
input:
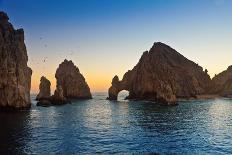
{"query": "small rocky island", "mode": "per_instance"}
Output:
(162, 75)
(72, 81)
(44, 89)
(70, 84)
(44, 95)
(15, 75)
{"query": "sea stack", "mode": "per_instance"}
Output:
(44, 95)
(15, 75)
(71, 81)
(162, 75)
(222, 83)
(44, 89)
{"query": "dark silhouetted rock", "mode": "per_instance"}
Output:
(223, 83)
(58, 98)
(44, 89)
(15, 75)
(44, 97)
(162, 75)
(70, 85)
(72, 81)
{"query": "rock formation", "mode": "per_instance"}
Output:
(162, 75)
(72, 81)
(222, 83)
(44, 96)
(58, 98)
(44, 89)
(70, 84)
(15, 75)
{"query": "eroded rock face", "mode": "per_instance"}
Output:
(223, 83)
(72, 81)
(44, 97)
(70, 84)
(58, 98)
(162, 75)
(44, 89)
(15, 75)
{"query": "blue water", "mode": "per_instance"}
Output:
(123, 127)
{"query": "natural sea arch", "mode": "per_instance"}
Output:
(117, 87)
(122, 95)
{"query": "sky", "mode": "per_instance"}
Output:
(107, 37)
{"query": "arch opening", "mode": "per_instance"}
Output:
(122, 95)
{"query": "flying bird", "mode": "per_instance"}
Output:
(44, 60)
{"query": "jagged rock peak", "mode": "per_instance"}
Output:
(3, 16)
(223, 83)
(230, 67)
(163, 75)
(115, 80)
(160, 44)
(68, 64)
(72, 81)
(161, 48)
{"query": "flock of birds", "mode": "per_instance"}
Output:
(44, 59)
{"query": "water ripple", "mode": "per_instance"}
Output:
(124, 127)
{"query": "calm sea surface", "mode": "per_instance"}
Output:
(122, 127)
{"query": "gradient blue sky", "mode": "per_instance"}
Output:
(107, 37)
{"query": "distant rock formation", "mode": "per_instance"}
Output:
(162, 75)
(44, 96)
(72, 81)
(15, 75)
(70, 84)
(44, 89)
(58, 98)
(222, 83)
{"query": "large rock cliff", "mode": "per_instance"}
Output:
(222, 83)
(72, 81)
(15, 75)
(162, 75)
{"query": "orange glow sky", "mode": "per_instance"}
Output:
(107, 37)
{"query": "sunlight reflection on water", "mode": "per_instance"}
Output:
(123, 127)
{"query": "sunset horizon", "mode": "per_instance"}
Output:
(148, 77)
(112, 46)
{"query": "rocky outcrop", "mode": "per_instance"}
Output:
(58, 98)
(162, 75)
(44, 97)
(222, 83)
(44, 89)
(70, 84)
(71, 81)
(15, 75)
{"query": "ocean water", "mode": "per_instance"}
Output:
(99, 126)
